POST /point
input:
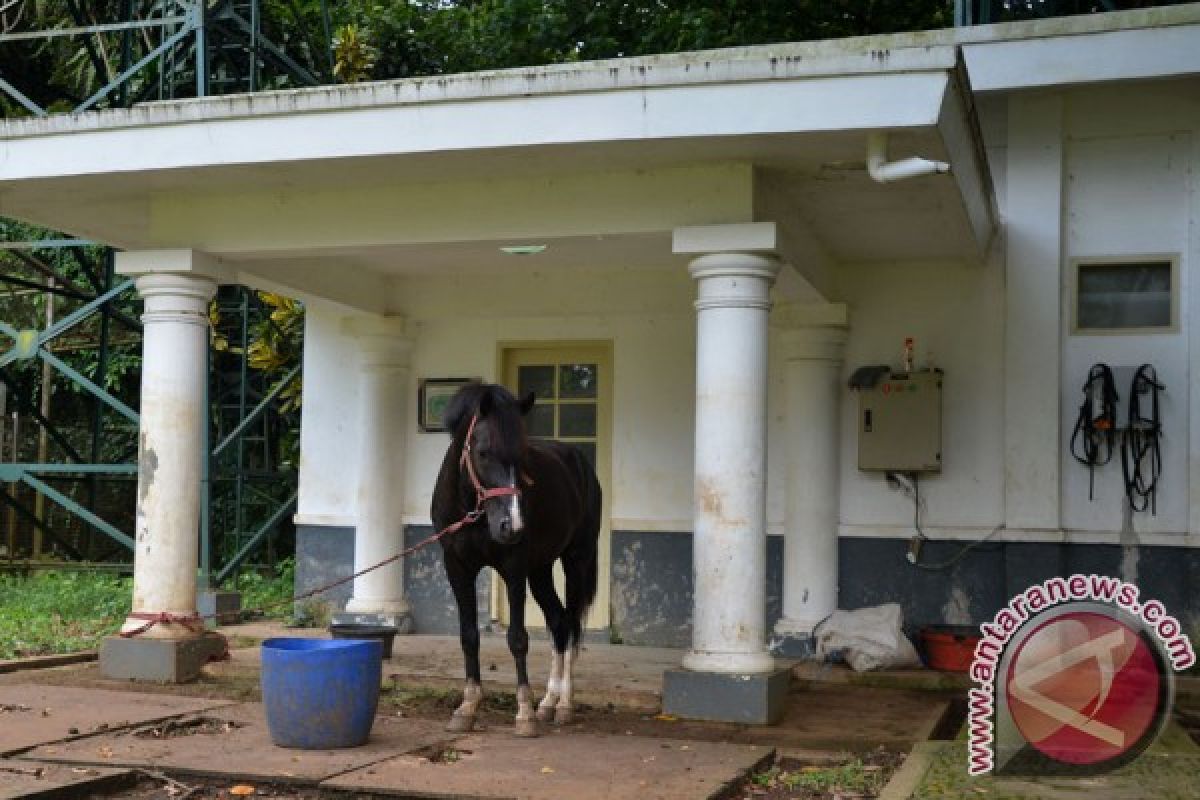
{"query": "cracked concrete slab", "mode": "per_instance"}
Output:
(234, 741)
(561, 764)
(31, 780)
(35, 715)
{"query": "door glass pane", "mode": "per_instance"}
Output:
(540, 421)
(577, 419)
(577, 380)
(537, 379)
(589, 451)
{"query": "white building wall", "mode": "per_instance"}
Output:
(955, 314)
(1127, 163)
(329, 424)
(1128, 197)
(1130, 191)
(953, 311)
(463, 324)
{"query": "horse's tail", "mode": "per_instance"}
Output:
(580, 595)
(582, 567)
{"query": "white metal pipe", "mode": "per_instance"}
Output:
(883, 171)
(174, 350)
(729, 542)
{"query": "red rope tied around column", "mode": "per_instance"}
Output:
(153, 618)
(193, 622)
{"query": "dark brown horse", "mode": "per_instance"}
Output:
(537, 502)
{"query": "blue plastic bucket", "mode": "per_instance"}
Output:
(320, 694)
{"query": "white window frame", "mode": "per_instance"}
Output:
(1078, 263)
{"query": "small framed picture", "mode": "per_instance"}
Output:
(432, 399)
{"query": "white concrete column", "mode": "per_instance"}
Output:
(174, 371)
(730, 462)
(812, 402)
(385, 349)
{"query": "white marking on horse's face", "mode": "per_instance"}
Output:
(514, 509)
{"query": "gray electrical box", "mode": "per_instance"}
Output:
(900, 423)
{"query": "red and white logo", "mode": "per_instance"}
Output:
(1074, 676)
(1083, 688)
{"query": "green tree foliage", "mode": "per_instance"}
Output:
(383, 39)
(60, 73)
(429, 37)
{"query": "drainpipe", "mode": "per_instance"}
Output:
(883, 171)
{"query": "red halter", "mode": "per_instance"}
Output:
(482, 493)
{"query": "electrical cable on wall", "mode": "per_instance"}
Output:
(1094, 439)
(1141, 446)
(915, 544)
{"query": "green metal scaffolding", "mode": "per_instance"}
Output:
(168, 49)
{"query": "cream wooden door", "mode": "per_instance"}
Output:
(573, 384)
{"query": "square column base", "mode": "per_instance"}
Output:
(402, 622)
(158, 660)
(754, 699)
(219, 607)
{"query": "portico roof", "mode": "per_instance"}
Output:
(601, 161)
(339, 191)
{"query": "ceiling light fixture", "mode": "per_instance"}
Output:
(523, 249)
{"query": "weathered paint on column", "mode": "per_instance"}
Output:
(812, 403)
(379, 534)
(730, 462)
(174, 348)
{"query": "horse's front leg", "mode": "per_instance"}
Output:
(463, 582)
(518, 643)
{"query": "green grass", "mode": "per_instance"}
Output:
(270, 592)
(59, 612)
(69, 611)
(853, 777)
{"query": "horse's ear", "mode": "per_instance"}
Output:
(527, 403)
(485, 404)
(459, 408)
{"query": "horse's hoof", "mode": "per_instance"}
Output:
(545, 713)
(526, 728)
(564, 716)
(460, 723)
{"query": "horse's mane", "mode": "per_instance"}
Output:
(495, 405)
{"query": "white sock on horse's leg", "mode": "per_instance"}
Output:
(526, 718)
(463, 718)
(564, 712)
(545, 710)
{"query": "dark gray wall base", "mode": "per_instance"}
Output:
(428, 589)
(651, 582)
(652, 579)
(652, 587)
(792, 645)
(722, 697)
(324, 553)
(219, 607)
(158, 660)
(874, 571)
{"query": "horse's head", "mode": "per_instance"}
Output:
(488, 425)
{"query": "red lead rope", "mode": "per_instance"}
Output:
(190, 621)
